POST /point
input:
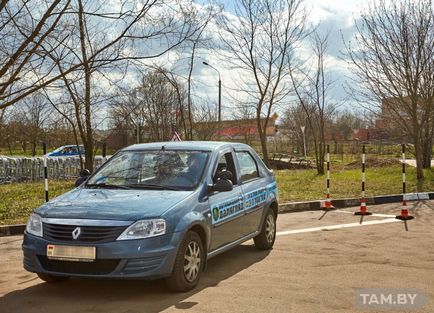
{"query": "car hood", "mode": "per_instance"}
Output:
(112, 204)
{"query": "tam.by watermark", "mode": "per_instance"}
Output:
(390, 299)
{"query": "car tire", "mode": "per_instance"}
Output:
(51, 278)
(267, 236)
(189, 263)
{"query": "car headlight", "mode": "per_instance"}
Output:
(144, 229)
(34, 225)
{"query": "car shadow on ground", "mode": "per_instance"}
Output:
(98, 295)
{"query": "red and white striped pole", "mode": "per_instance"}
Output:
(363, 210)
(44, 147)
(327, 204)
(404, 211)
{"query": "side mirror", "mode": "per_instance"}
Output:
(84, 174)
(222, 185)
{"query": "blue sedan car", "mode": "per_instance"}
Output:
(158, 210)
(69, 150)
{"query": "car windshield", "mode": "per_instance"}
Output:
(162, 169)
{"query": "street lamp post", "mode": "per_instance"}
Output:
(220, 91)
(304, 139)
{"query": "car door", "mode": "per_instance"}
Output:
(253, 188)
(227, 210)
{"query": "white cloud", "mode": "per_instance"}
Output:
(333, 17)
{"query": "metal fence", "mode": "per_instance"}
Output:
(20, 169)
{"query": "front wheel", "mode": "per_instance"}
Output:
(267, 236)
(188, 264)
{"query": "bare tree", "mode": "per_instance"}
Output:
(205, 122)
(24, 27)
(66, 114)
(245, 114)
(260, 41)
(97, 43)
(346, 121)
(312, 92)
(35, 111)
(153, 107)
(193, 44)
(293, 119)
(393, 61)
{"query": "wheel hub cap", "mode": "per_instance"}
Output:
(270, 228)
(192, 259)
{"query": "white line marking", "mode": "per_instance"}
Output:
(339, 226)
(374, 214)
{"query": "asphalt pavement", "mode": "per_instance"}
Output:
(315, 266)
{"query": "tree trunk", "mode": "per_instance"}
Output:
(263, 138)
(418, 147)
(88, 137)
(427, 153)
(321, 160)
(34, 147)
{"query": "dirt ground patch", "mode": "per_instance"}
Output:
(373, 162)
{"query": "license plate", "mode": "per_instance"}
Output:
(71, 253)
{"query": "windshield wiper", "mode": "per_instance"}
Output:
(104, 185)
(154, 186)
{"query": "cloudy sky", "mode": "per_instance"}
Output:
(333, 17)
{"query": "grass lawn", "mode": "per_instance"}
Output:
(19, 199)
(301, 185)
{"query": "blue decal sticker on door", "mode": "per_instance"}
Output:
(272, 191)
(255, 198)
(225, 210)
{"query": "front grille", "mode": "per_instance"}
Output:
(98, 267)
(99, 234)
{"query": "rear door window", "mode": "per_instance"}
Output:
(248, 166)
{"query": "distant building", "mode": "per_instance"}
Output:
(241, 129)
(369, 134)
(386, 127)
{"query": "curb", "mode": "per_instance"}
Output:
(289, 207)
(11, 230)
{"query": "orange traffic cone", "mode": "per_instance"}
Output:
(363, 210)
(327, 204)
(403, 216)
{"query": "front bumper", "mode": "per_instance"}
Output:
(142, 258)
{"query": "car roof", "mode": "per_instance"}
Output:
(187, 145)
(69, 146)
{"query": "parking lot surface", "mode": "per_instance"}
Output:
(315, 266)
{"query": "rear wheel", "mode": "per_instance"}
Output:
(51, 278)
(188, 264)
(267, 236)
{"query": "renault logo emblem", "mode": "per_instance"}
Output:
(76, 232)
